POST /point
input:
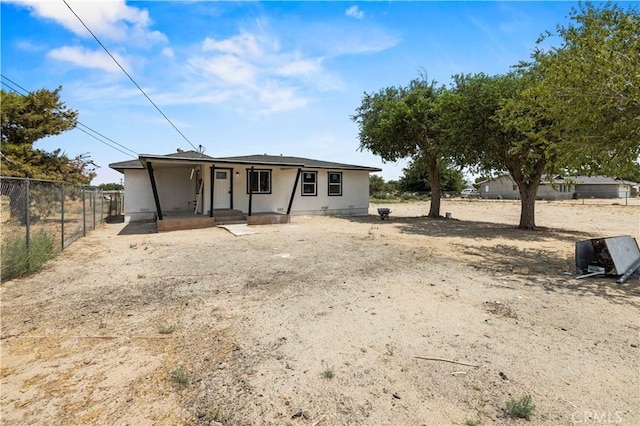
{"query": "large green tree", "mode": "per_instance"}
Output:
(401, 122)
(588, 87)
(480, 139)
(28, 118)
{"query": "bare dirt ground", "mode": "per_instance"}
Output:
(321, 322)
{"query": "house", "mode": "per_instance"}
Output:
(559, 188)
(256, 188)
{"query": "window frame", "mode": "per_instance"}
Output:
(330, 184)
(259, 172)
(315, 184)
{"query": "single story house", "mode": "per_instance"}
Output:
(559, 188)
(256, 188)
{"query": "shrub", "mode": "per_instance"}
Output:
(180, 376)
(522, 408)
(19, 260)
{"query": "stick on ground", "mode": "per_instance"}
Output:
(428, 358)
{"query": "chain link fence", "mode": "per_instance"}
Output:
(32, 210)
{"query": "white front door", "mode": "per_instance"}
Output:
(222, 189)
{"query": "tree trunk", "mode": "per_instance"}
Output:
(434, 180)
(528, 193)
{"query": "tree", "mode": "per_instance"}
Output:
(111, 186)
(400, 122)
(416, 178)
(588, 87)
(480, 138)
(29, 118)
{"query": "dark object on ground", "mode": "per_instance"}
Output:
(384, 213)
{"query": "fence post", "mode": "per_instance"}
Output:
(28, 212)
(62, 213)
(101, 206)
(84, 214)
(93, 196)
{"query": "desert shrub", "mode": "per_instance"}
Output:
(19, 260)
(521, 408)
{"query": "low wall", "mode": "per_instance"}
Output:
(267, 219)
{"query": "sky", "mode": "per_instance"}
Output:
(243, 78)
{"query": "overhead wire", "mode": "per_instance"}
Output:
(79, 123)
(128, 75)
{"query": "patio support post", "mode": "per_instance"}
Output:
(231, 188)
(250, 189)
(211, 180)
(293, 193)
(152, 178)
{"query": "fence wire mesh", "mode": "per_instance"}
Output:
(59, 210)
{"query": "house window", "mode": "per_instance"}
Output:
(309, 183)
(259, 181)
(335, 184)
(515, 187)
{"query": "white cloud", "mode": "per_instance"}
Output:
(228, 69)
(241, 45)
(111, 20)
(354, 12)
(264, 77)
(85, 58)
(168, 53)
(300, 67)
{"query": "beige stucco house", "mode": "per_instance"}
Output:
(257, 188)
(560, 188)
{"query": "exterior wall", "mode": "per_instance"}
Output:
(138, 200)
(177, 192)
(505, 188)
(353, 201)
(501, 188)
(603, 190)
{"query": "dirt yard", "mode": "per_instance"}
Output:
(329, 321)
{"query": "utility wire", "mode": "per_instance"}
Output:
(130, 78)
(81, 124)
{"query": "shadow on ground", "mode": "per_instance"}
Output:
(139, 228)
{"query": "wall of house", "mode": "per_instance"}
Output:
(176, 192)
(502, 187)
(506, 189)
(353, 201)
(138, 200)
(602, 191)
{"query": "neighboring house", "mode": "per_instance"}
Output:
(188, 182)
(503, 187)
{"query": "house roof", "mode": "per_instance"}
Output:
(261, 160)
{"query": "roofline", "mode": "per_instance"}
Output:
(210, 160)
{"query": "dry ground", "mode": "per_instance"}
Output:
(204, 327)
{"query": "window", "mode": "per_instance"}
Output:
(309, 180)
(221, 175)
(259, 181)
(335, 184)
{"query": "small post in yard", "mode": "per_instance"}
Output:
(62, 213)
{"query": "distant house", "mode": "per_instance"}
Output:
(191, 183)
(503, 187)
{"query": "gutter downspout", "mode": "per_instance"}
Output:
(250, 190)
(155, 189)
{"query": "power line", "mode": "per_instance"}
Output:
(130, 78)
(81, 124)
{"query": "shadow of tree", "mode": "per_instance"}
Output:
(546, 264)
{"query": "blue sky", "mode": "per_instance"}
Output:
(244, 78)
